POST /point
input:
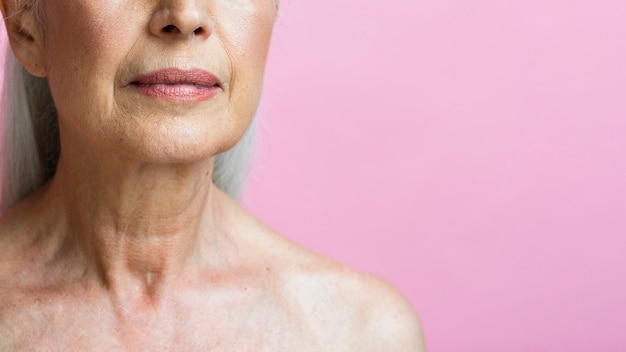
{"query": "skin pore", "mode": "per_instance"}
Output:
(130, 246)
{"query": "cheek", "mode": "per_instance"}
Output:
(245, 34)
(85, 37)
(84, 43)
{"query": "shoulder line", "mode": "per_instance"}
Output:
(390, 322)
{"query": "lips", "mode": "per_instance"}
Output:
(176, 85)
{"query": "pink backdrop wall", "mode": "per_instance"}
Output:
(473, 153)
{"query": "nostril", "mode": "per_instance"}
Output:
(169, 28)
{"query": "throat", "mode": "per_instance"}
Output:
(137, 227)
(136, 291)
(144, 267)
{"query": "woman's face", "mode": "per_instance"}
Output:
(158, 80)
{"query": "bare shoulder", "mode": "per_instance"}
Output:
(12, 268)
(25, 251)
(351, 310)
(389, 322)
(13, 241)
(340, 309)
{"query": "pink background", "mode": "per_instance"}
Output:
(472, 153)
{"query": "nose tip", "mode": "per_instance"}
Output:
(181, 19)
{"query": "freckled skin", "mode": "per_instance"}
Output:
(130, 247)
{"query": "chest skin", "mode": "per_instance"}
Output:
(226, 320)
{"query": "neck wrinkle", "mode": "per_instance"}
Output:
(138, 228)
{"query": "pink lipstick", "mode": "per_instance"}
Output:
(176, 85)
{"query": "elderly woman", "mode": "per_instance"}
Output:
(119, 233)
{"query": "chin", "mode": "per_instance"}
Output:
(177, 144)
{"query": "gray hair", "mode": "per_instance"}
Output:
(32, 147)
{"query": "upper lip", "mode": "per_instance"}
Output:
(173, 76)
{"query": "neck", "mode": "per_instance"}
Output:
(137, 226)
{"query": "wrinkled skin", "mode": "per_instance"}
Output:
(131, 247)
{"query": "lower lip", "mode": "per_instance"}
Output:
(184, 93)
